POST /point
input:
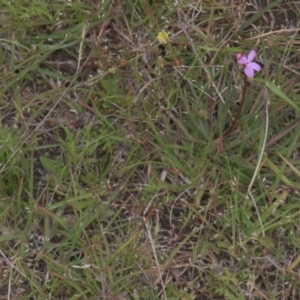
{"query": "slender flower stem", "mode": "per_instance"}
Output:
(229, 130)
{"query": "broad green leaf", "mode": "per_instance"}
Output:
(47, 163)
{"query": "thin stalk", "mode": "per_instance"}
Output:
(229, 130)
(260, 159)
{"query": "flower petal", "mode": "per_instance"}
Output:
(243, 60)
(238, 56)
(255, 66)
(249, 71)
(251, 55)
(162, 37)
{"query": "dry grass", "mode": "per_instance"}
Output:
(113, 184)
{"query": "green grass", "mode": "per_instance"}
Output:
(114, 183)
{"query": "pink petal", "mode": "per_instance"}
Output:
(249, 71)
(238, 56)
(254, 66)
(243, 60)
(251, 55)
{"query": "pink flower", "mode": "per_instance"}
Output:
(249, 65)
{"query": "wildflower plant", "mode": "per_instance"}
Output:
(250, 66)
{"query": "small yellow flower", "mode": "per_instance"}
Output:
(112, 70)
(162, 37)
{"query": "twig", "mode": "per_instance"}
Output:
(156, 260)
